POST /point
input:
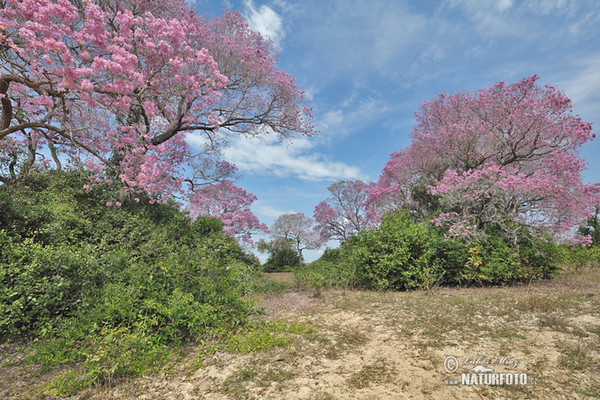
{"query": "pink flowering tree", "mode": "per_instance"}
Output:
(592, 225)
(297, 228)
(230, 204)
(503, 157)
(118, 84)
(346, 212)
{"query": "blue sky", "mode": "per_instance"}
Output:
(367, 66)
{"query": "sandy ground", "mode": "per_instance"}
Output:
(369, 345)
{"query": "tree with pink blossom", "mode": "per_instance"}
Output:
(345, 213)
(591, 227)
(505, 157)
(230, 204)
(118, 84)
(298, 228)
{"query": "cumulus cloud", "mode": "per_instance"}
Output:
(269, 156)
(266, 21)
(268, 211)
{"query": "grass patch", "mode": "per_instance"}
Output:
(379, 372)
(282, 278)
(253, 340)
(507, 333)
(351, 338)
(587, 393)
(275, 375)
(234, 384)
(576, 357)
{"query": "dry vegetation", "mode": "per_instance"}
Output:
(380, 345)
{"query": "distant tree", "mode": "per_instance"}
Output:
(503, 157)
(230, 204)
(298, 228)
(592, 227)
(283, 254)
(345, 213)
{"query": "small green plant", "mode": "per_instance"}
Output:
(351, 338)
(376, 373)
(587, 393)
(66, 384)
(234, 384)
(576, 357)
(275, 375)
(255, 339)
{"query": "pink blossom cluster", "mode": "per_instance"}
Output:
(298, 228)
(118, 84)
(508, 153)
(346, 212)
(230, 204)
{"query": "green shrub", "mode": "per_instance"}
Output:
(577, 257)
(399, 254)
(492, 261)
(283, 255)
(330, 270)
(112, 288)
(403, 254)
(39, 284)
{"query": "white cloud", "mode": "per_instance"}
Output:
(503, 5)
(546, 7)
(333, 119)
(354, 114)
(583, 85)
(268, 211)
(490, 17)
(265, 21)
(272, 157)
(584, 25)
(269, 156)
(479, 8)
(356, 39)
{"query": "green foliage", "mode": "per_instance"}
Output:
(40, 284)
(399, 254)
(112, 288)
(254, 339)
(403, 254)
(577, 257)
(492, 261)
(283, 255)
(330, 270)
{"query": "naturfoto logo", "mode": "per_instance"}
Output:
(479, 371)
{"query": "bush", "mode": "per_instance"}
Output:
(283, 256)
(577, 257)
(330, 270)
(39, 284)
(112, 287)
(403, 254)
(492, 261)
(399, 254)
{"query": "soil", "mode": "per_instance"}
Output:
(405, 345)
